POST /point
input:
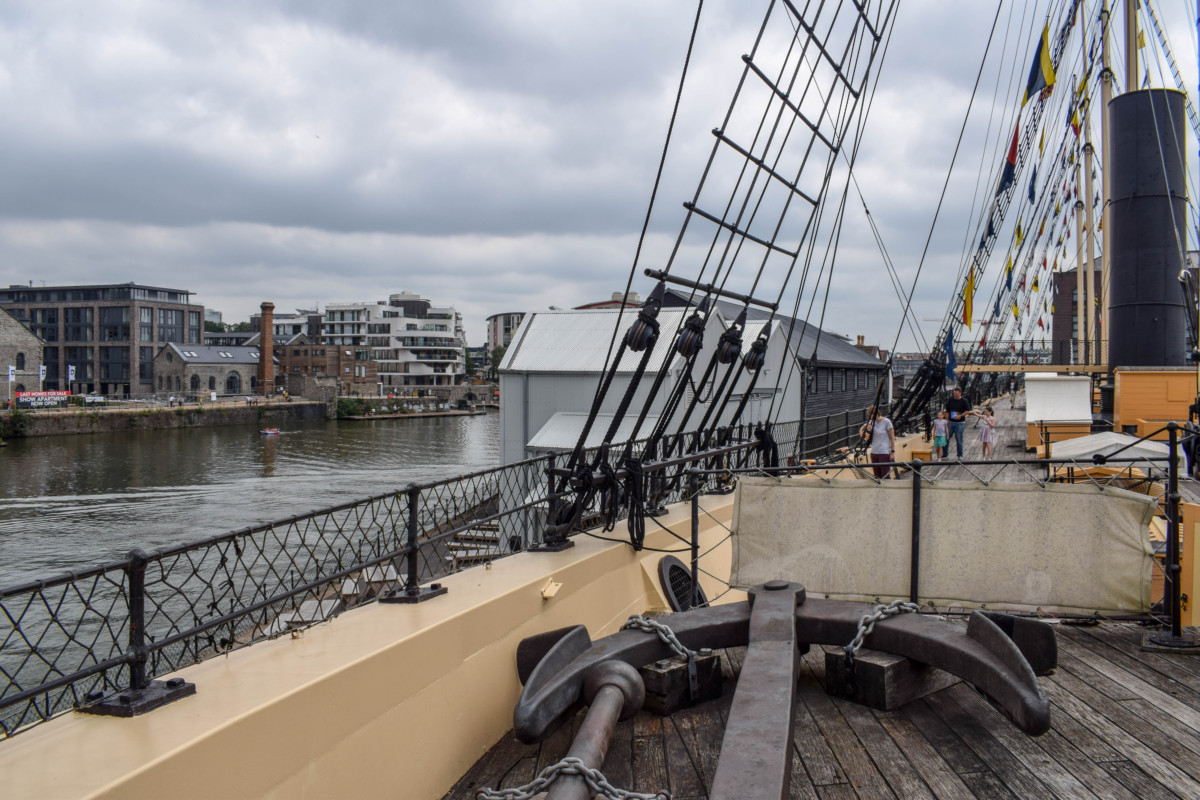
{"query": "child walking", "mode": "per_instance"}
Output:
(941, 438)
(987, 431)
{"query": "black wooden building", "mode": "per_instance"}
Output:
(842, 381)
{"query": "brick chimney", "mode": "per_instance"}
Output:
(266, 349)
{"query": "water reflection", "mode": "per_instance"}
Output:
(69, 502)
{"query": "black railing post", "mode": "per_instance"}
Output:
(412, 591)
(1171, 588)
(413, 588)
(143, 694)
(915, 556)
(694, 490)
(137, 619)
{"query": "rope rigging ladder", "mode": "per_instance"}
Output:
(789, 156)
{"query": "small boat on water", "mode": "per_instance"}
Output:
(269, 432)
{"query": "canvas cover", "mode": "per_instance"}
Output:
(1063, 548)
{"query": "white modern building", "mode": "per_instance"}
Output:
(413, 342)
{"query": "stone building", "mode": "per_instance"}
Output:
(22, 350)
(197, 369)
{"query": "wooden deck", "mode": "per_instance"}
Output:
(1125, 723)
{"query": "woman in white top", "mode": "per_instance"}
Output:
(883, 440)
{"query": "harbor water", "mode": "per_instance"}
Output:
(71, 502)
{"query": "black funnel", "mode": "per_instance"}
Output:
(1146, 316)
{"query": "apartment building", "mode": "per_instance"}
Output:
(501, 327)
(412, 342)
(105, 335)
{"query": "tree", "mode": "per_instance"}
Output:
(238, 327)
(496, 357)
(213, 327)
(469, 366)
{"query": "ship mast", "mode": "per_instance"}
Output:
(1084, 257)
(1106, 78)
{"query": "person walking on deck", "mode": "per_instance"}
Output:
(987, 431)
(883, 440)
(1012, 392)
(940, 436)
(958, 407)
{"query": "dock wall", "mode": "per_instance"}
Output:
(102, 420)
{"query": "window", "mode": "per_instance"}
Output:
(193, 329)
(114, 363)
(146, 324)
(50, 359)
(114, 324)
(212, 384)
(44, 323)
(20, 361)
(170, 325)
(78, 323)
(145, 364)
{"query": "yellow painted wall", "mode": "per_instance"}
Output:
(1054, 432)
(1189, 578)
(1152, 396)
(393, 701)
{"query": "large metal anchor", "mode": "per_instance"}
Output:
(999, 654)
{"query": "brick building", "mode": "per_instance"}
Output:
(109, 333)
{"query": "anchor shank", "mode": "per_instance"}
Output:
(591, 743)
(756, 753)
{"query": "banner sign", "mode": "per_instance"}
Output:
(42, 399)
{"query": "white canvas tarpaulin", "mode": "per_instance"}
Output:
(1063, 548)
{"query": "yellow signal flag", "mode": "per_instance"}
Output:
(969, 297)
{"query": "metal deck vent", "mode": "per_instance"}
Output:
(676, 580)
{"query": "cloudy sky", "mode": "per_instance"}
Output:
(497, 156)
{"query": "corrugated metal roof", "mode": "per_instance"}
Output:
(561, 431)
(578, 341)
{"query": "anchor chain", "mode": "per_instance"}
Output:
(568, 766)
(668, 637)
(865, 626)
(664, 633)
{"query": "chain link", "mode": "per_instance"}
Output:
(568, 766)
(665, 634)
(867, 623)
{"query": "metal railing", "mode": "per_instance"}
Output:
(67, 641)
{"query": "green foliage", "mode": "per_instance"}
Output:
(350, 407)
(497, 355)
(15, 425)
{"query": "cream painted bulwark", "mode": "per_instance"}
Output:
(1061, 548)
(391, 701)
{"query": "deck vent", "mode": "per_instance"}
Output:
(676, 580)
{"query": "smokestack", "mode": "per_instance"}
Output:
(266, 350)
(1146, 318)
